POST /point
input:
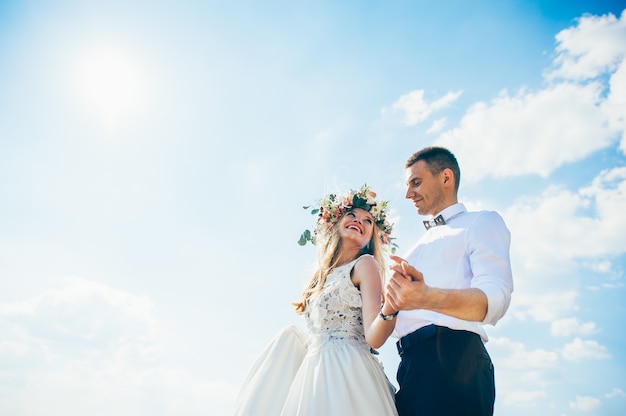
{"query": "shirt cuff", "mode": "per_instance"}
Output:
(497, 303)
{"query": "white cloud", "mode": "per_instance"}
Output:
(594, 46)
(608, 190)
(570, 326)
(154, 391)
(535, 132)
(416, 109)
(542, 305)
(523, 375)
(580, 349)
(437, 126)
(559, 218)
(85, 343)
(513, 355)
(615, 104)
(588, 222)
(618, 285)
(530, 132)
(82, 313)
(585, 403)
(600, 265)
(615, 393)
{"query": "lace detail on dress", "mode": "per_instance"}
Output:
(334, 316)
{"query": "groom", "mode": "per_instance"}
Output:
(456, 279)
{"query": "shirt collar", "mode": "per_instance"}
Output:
(452, 211)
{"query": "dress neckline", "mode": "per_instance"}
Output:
(350, 262)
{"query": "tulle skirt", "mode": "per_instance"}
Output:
(332, 380)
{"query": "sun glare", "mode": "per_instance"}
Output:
(113, 85)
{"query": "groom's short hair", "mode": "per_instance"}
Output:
(437, 158)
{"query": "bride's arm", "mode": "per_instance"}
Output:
(366, 276)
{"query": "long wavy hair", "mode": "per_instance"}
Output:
(329, 247)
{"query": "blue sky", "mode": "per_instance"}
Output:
(155, 158)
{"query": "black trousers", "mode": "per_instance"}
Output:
(444, 372)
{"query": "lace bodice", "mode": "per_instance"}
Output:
(334, 315)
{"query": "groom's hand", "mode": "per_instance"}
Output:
(405, 289)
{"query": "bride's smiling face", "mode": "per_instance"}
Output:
(357, 225)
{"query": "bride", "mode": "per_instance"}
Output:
(330, 369)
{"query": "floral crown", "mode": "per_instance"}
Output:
(332, 208)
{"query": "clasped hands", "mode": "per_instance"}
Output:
(405, 288)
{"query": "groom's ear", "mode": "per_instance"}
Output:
(448, 177)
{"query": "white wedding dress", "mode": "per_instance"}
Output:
(327, 370)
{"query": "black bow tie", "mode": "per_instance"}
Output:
(438, 220)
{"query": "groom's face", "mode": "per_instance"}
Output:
(425, 189)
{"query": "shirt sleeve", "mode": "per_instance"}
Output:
(489, 245)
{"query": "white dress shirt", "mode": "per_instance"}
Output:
(470, 251)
